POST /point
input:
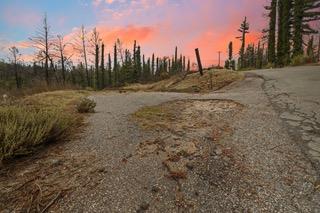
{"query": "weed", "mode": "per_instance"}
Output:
(86, 105)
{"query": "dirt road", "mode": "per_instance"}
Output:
(258, 167)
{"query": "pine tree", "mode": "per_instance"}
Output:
(298, 28)
(138, 63)
(180, 63)
(286, 31)
(272, 31)
(115, 65)
(184, 64)
(109, 70)
(259, 56)
(97, 67)
(280, 53)
(157, 68)
(230, 50)
(310, 49)
(188, 66)
(304, 12)
(102, 67)
(244, 29)
(318, 55)
(152, 65)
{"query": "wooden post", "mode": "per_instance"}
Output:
(199, 61)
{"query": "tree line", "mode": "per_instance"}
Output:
(96, 68)
(288, 38)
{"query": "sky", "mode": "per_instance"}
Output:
(157, 25)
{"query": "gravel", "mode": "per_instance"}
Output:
(266, 170)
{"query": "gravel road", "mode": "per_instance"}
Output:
(270, 173)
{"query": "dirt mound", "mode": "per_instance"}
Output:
(191, 83)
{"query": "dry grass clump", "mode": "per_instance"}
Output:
(154, 117)
(34, 120)
(22, 129)
(86, 105)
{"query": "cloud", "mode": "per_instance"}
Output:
(20, 16)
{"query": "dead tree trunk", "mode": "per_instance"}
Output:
(199, 61)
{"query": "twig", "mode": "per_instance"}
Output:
(30, 206)
(51, 202)
(25, 183)
(39, 198)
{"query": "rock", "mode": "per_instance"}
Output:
(143, 207)
(155, 189)
(218, 151)
(190, 165)
(182, 148)
(56, 162)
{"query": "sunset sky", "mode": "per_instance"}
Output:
(157, 25)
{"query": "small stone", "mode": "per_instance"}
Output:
(56, 162)
(155, 189)
(190, 165)
(102, 170)
(218, 151)
(143, 207)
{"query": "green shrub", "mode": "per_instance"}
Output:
(86, 105)
(22, 129)
(300, 60)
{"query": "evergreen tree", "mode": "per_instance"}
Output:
(102, 67)
(188, 66)
(97, 67)
(230, 51)
(318, 55)
(152, 65)
(280, 53)
(109, 70)
(286, 32)
(310, 49)
(115, 65)
(259, 57)
(298, 28)
(304, 12)
(244, 29)
(138, 63)
(184, 64)
(272, 31)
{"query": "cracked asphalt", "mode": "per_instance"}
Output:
(295, 93)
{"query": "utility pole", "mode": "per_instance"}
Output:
(219, 52)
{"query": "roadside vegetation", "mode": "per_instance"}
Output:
(29, 122)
